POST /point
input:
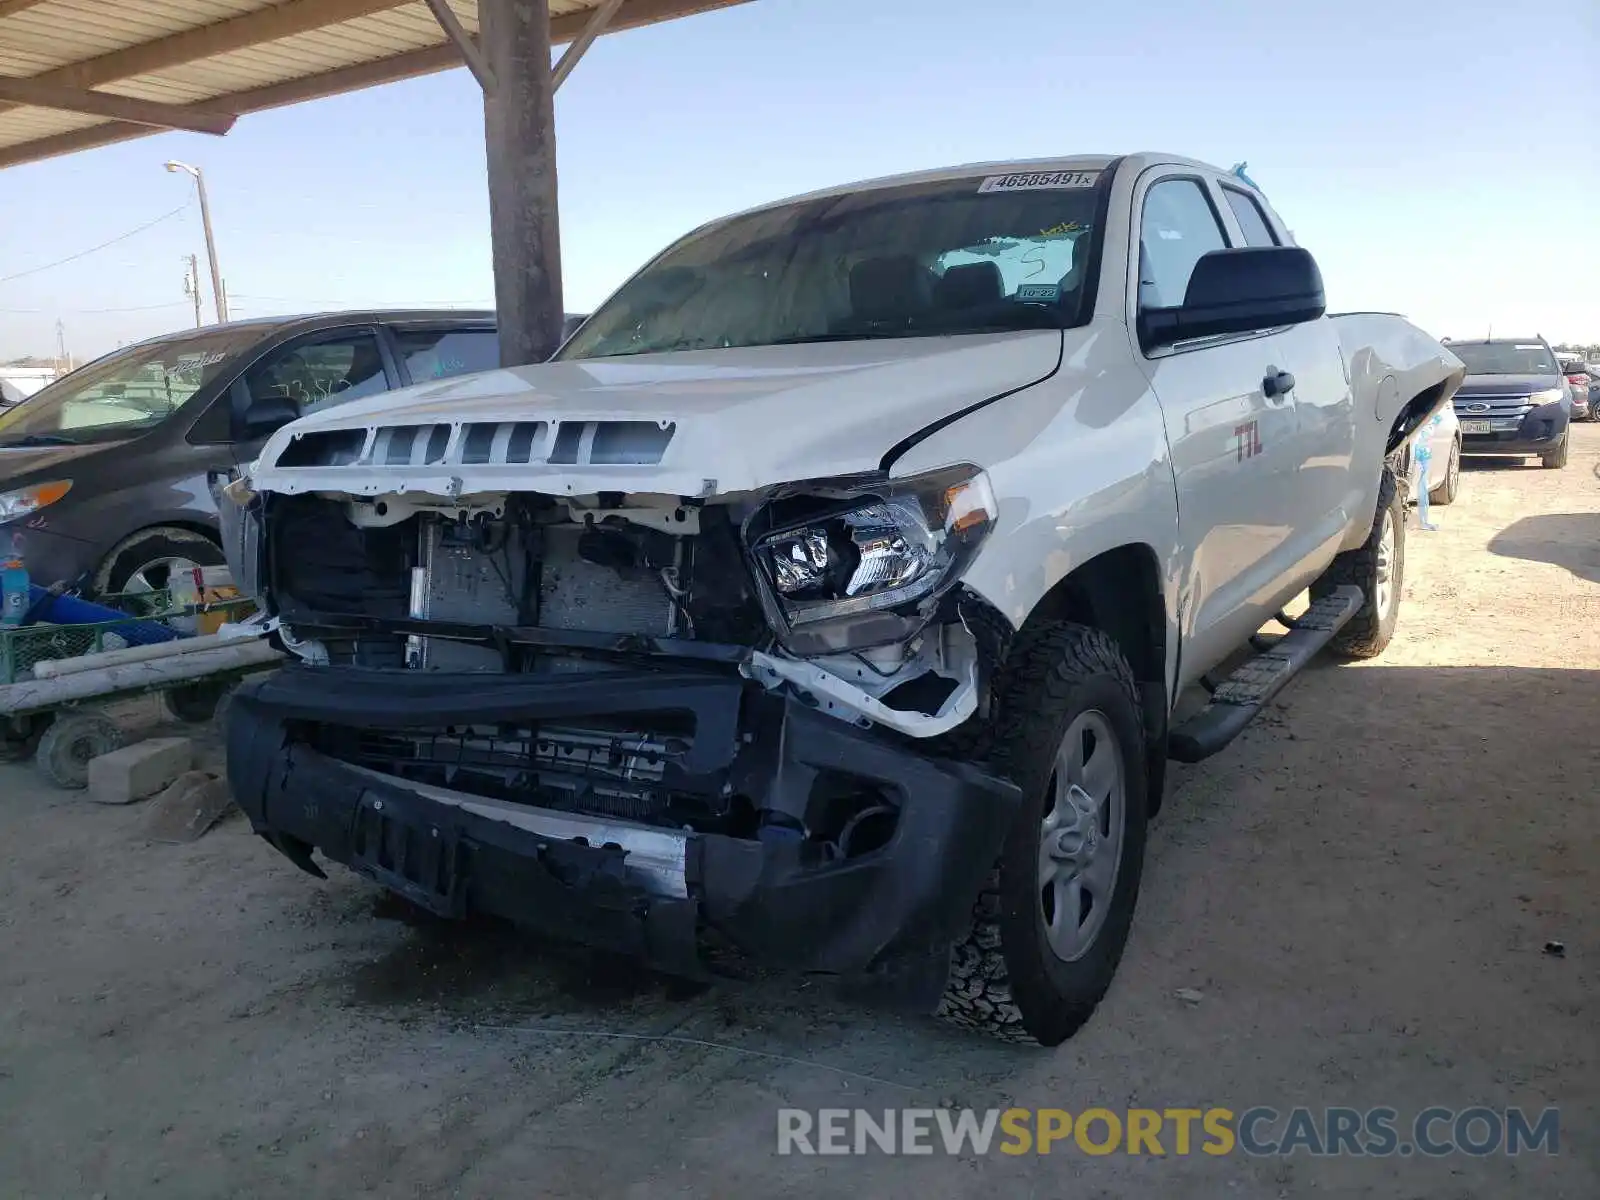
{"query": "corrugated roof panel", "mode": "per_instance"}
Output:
(59, 32)
(24, 124)
(363, 40)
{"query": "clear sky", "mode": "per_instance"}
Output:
(1440, 157)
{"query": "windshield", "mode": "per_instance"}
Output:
(123, 393)
(972, 255)
(1505, 358)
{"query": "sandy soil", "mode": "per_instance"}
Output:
(1360, 890)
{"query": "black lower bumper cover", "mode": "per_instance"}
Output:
(911, 897)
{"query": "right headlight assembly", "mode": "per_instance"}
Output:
(858, 564)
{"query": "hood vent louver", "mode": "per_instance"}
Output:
(482, 443)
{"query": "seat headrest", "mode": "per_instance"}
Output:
(894, 287)
(970, 285)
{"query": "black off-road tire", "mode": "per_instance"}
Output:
(1557, 458)
(1004, 978)
(1369, 631)
(1450, 487)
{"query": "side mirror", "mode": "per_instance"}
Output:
(266, 415)
(1240, 291)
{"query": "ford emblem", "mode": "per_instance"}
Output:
(1477, 408)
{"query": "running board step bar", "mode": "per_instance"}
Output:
(1236, 700)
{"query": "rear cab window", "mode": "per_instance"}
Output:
(1252, 220)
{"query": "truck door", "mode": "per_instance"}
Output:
(1231, 429)
(1325, 491)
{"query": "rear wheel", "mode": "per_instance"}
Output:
(1377, 567)
(1557, 458)
(1450, 486)
(1050, 925)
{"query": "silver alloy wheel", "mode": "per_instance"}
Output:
(1383, 591)
(1452, 472)
(1080, 842)
(156, 575)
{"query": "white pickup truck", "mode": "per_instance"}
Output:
(828, 597)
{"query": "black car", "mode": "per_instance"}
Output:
(109, 474)
(1514, 400)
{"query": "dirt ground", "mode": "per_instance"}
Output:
(1361, 891)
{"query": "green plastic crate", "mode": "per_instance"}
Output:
(24, 646)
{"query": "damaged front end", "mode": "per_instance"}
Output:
(641, 720)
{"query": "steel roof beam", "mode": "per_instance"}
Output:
(198, 118)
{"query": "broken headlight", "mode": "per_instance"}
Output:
(861, 563)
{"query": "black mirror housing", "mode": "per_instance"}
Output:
(1240, 290)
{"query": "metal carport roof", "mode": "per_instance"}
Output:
(75, 74)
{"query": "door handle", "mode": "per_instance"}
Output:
(1277, 383)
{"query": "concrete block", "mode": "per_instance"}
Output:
(140, 770)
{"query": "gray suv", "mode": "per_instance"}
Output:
(109, 475)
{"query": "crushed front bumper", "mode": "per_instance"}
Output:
(640, 889)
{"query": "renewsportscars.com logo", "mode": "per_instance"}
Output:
(1261, 1131)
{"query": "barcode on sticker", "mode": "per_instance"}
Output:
(1040, 181)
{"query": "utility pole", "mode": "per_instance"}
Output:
(211, 244)
(64, 363)
(191, 287)
(519, 128)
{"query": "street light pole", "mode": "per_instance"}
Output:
(211, 244)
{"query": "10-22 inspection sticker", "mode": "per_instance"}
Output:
(1040, 181)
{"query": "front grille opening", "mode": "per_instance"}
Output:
(525, 435)
(438, 441)
(636, 443)
(569, 437)
(336, 448)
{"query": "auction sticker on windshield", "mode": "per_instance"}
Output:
(1040, 181)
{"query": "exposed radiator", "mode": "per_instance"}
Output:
(462, 581)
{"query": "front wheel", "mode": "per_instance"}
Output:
(1557, 458)
(1450, 486)
(1050, 925)
(151, 560)
(1377, 567)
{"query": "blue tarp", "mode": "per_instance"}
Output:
(74, 610)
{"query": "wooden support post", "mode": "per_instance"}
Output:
(519, 132)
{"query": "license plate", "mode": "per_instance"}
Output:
(1477, 427)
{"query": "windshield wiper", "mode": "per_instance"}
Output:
(41, 439)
